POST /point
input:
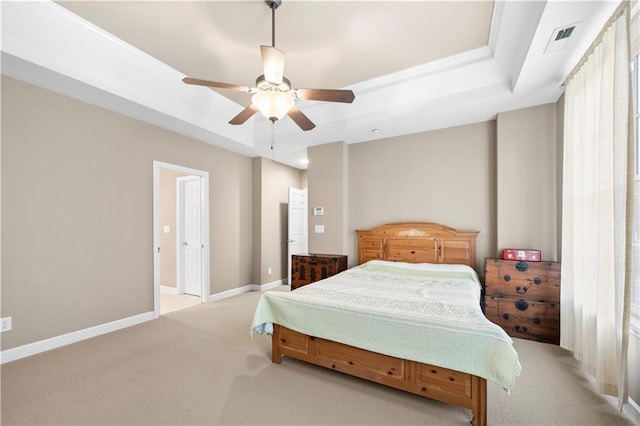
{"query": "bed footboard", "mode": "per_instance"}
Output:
(450, 386)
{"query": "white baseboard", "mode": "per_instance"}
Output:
(273, 284)
(233, 292)
(73, 337)
(245, 289)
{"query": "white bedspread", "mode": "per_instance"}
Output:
(423, 312)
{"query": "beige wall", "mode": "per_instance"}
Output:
(272, 181)
(77, 212)
(444, 176)
(527, 179)
(498, 177)
(328, 188)
(256, 221)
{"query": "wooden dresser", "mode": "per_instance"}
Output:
(309, 268)
(524, 298)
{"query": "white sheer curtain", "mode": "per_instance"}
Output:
(596, 219)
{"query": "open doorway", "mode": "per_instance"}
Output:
(181, 237)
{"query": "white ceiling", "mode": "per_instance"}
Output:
(413, 65)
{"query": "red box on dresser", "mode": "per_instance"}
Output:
(522, 254)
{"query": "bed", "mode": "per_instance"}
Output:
(408, 316)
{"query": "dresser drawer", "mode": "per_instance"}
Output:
(506, 308)
(525, 319)
(540, 291)
(531, 280)
(548, 271)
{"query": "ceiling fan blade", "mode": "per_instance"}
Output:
(273, 64)
(328, 95)
(300, 119)
(244, 115)
(198, 82)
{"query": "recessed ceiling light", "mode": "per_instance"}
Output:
(375, 130)
(304, 161)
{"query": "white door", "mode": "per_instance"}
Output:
(190, 235)
(297, 233)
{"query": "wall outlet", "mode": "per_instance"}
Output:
(269, 271)
(5, 324)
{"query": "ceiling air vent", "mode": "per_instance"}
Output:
(560, 38)
(565, 33)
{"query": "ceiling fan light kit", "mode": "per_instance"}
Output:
(273, 104)
(273, 95)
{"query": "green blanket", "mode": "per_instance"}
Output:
(425, 313)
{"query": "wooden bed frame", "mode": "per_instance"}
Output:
(407, 242)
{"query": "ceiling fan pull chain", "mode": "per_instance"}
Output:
(272, 124)
(273, 153)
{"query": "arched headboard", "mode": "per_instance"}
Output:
(417, 242)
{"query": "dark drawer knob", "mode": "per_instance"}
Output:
(521, 290)
(507, 277)
(536, 321)
(521, 329)
(522, 305)
(522, 266)
(537, 280)
(505, 316)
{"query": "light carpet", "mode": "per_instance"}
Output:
(199, 366)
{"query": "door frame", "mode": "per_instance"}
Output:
(206, 259)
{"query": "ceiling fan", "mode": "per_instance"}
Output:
(273, 95)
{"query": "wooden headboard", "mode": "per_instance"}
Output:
(417, 242)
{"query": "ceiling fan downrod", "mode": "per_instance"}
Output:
(273, 5)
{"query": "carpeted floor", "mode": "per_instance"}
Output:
(199, 366)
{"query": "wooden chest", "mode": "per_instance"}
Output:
(524, 298)
(309, 268)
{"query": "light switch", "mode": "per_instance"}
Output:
(319, 229)
(166, 229)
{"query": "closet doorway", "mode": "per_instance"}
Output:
(180, 237)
